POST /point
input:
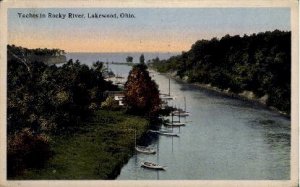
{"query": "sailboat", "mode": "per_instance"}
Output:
(165, 133)
(175, 124)
(143, 149)
(152, 165)
(180, 112)
(167, 96)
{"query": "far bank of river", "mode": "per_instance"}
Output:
(245, 95)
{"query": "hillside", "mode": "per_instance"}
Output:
(259, 64)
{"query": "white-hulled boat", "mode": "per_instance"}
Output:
(152, 165)
(145, 150)
(165, 133)
(180, 113)
(167, 98)
(169, 134)
(175, 124)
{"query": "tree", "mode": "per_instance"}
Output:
(45, 100)
(142, 58)
(260, 63)
(129, 59)
(141, 92)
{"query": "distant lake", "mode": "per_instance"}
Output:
(89, 58)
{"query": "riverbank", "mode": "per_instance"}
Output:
(245, 95)
(96, 150)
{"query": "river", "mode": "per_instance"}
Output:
(225, 138)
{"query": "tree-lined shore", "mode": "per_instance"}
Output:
(259, 64)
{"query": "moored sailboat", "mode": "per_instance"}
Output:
(152, 165)
(181, 112)
(145, 150)
(175, 124)
(166, 133)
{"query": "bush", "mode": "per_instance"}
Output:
(26, 150)
(110, 104)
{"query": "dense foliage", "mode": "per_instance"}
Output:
(27, 150)
(20, 51)
(46, 100)
(141, 92)
(260, 63)
(97, 150)
(129, 59)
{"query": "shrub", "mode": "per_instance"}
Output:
(26, 150)
(110, 103)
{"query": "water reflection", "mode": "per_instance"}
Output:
(277, 134)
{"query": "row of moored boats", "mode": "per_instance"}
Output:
(150, 150)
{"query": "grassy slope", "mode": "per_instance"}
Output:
(96, 151)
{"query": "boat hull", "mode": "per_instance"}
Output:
(164, 133)
(145, 150)
(174, 124)
(181, 114)
(152, 166)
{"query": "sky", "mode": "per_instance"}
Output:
(152, 29)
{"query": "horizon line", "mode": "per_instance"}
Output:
(17, 45)
(128, 52)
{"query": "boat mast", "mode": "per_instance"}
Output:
(169, 87)
(107, 65)
(134, 138)
(184, 104)
(172, 121)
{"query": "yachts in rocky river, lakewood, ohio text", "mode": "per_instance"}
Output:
(76, 15)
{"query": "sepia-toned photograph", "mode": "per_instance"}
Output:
(143, 92)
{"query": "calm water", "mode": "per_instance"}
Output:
(225, 138)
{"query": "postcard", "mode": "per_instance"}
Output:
(166, 93)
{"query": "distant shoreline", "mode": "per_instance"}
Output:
(241, 96)
(120, 57)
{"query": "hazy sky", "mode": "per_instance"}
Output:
(152, 29)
